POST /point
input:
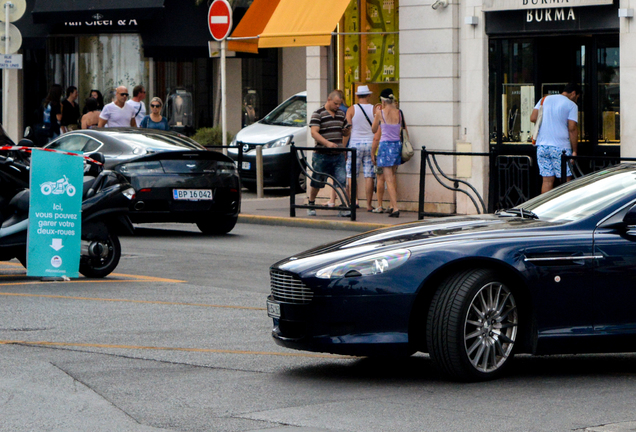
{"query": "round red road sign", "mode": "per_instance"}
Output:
(220, 19)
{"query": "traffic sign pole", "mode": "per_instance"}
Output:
(220, 25)
(224, 97)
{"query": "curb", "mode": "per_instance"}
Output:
(310, 223)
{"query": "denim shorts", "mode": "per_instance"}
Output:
(363, 157)
(549, 160)
(333, 165)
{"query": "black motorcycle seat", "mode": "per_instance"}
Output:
(20, 202)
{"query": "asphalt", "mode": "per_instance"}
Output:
(276, 211)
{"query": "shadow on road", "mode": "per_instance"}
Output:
(169, 232)
(420, 368)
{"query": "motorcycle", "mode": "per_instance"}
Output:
(106, 197)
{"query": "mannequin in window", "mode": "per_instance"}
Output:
(179, 115)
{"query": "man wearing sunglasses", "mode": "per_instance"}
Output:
(118, 113)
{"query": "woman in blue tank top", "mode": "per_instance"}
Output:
(387, 125)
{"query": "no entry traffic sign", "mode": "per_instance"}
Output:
(220, 19)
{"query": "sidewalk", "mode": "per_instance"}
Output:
(275, 211)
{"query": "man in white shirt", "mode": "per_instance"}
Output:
(360, 116)
(558, 131)
(118, 113)
(137, 103)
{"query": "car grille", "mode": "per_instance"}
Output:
(288, 288)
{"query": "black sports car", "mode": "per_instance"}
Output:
(556, 274)
(176, 179)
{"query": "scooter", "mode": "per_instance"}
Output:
(106, 197)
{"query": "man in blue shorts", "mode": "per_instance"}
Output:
(328, 125)
(558, 132)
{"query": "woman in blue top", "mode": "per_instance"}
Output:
(155, 120)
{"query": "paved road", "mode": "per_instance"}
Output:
(179, 340)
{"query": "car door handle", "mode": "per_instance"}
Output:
(562, 258)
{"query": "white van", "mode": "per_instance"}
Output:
(287, 123)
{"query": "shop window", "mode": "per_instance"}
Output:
(370, 59)
(609, 95)
(518, 98)
(108, 61)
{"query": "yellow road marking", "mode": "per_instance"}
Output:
(129, 301)
(133, 278)
(199, 350)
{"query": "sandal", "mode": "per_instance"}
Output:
(395, 214)
(377, 210)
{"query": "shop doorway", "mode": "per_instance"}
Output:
(522, 70)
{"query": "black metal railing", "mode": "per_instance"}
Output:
(298, 155)
(596, 163)
(513, 185)
(430, 157)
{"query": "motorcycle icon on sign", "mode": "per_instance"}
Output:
(57, 188)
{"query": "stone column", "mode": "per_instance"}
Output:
(317, 90)
(473, 126)
(429, 95)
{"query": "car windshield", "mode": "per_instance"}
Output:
(292, 112)
(585, 196)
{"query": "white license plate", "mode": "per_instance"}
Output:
(273, 309)
(192, 194)
(245, 165)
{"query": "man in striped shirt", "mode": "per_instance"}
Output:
(328, 127)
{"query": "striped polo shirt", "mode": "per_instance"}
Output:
(330, 126)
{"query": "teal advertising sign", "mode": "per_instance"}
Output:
(55, 218)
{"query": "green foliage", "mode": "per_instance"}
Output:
(211, 136)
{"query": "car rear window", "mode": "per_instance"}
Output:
(157, 142)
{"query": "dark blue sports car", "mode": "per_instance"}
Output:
(554, 275)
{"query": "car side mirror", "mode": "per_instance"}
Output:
(629, 219)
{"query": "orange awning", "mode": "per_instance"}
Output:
(287, 23)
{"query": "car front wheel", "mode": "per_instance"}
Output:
(472, 326)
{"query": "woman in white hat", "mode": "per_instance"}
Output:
(360, 117)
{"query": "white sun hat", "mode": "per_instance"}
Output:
(363, 91)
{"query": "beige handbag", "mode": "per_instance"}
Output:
(407, 147)
(537, 124)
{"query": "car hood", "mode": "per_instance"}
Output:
(259, 133)
(432, 232)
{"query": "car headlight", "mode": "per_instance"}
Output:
(278, 143)
(140, 168)
(367, 266)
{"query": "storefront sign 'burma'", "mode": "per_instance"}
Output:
(500, 5)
